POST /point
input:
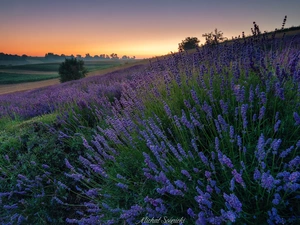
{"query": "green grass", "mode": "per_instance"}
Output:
(53, 67)
(45, 71)
(15, 78)
(100, 65)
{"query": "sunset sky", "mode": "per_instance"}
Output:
(141, 28)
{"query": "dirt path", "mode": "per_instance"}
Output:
(10, 88)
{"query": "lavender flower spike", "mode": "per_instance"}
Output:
(233, 202)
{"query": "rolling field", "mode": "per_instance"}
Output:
(34, 76)
(14, 78)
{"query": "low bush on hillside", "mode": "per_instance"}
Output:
(72, 69)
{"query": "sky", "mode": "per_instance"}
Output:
(141, 28)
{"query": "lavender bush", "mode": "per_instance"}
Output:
(211, 137)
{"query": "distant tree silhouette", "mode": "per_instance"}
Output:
(88, 56)
(188, 43)
(214, 38)
(114, 56)
(71, 69)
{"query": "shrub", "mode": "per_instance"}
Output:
(189, 43)
(72, 69)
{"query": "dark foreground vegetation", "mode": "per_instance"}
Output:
(209, 137)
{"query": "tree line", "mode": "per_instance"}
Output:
(52, 56)
(88, 56)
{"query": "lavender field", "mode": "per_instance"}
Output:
(210, 136)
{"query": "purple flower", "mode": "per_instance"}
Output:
(176, 192)
(201, 219)
(286, 152)
(69, 166)
(207, 109)
(181, 150)
(186, 173)
(177, 123)
(218, 126)
(275, 145)
(224, 160)
(273, 216)
(174, 151)
(224, 107)
(162, 178)
(228, 215)
(294, 163)
(251, 95)
(203, 199)
(203, 158)
(254, 117)
(14, 206)
(260, 152)
(268, 182)
(217, 144)
(22, 177)
(191, 213)
(297, 118)
(209, 189)
(97, 169)
(63, 186)
(262, 112)
(122, 186)
(194, 96)
(149, 163)
(223, 123)
(279, 91)
(294, 177)
(276, 126)
(232, 184)
(233, 202)
(132, 212)
(92, 192)
(244, 109)
(238, 178)
(263, 98)
(180, 184)
(6, 158)
(45, 166)
(120, 177)
(231, 133)
(58, 200)
(239, 141)
(276, 199)
(185, 121)
(207, 174)
(75, 176)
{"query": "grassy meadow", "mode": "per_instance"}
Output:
(45, 71)
(209, 136)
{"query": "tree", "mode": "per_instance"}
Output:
(114, 56)
(71, 69)
(88, 56)
(189, 43)
(214, 38)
